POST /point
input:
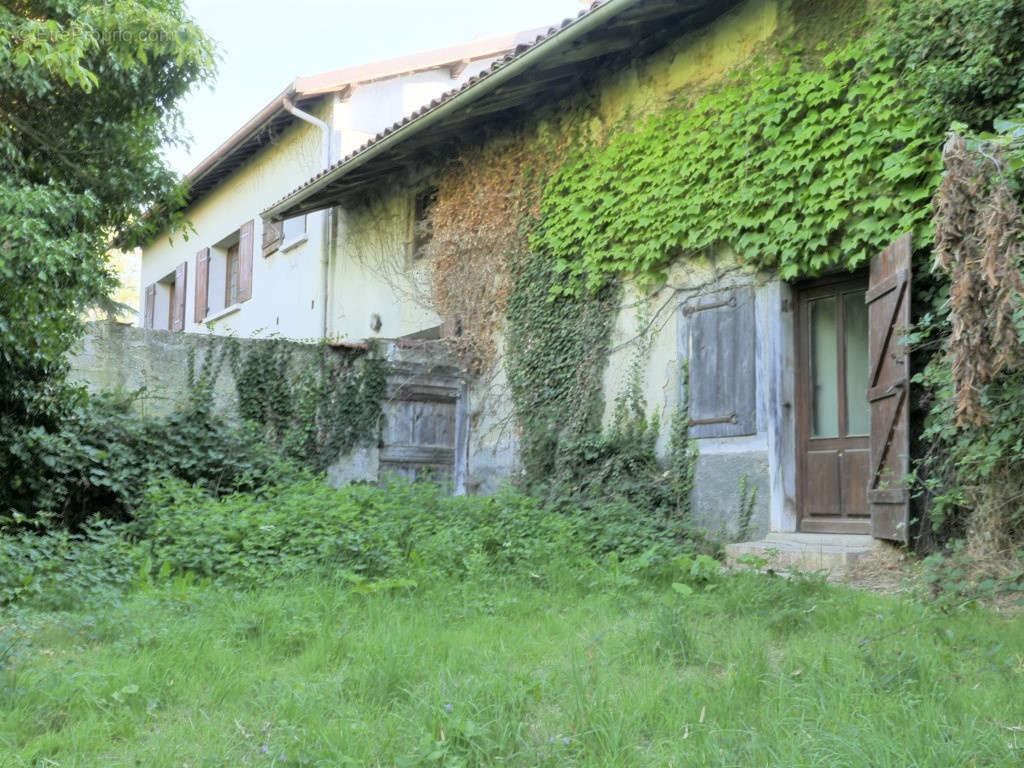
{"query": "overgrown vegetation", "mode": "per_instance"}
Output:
(430, 631)
(101, 460)
(833, 160)
(299, 406)
(974, 465)
(314, 407)
(88, 97)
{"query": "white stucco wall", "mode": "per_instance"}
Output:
(287, 292)
(286, 286)
(372, 275)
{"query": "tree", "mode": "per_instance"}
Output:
(88, 95)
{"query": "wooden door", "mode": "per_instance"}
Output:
(418, 438)
(888, 301)
(833, 419)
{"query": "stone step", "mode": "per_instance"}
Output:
(806, 551)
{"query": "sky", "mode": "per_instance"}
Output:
(265, 44)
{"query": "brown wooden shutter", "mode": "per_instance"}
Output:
(273, 233)
(149, 306)
(202, 304)
(888, 300)
(717, 337)
(180, 294)
(245, 260)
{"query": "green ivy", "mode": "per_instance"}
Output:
(314, 409)
(556, 354)
(798, 168)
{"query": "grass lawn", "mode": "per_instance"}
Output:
(760, 671)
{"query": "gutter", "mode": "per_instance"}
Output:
(326, 231)
(567, 35)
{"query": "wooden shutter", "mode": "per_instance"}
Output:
(149, 306)
(245, 261)
(273, 233)
(202, 304)
(180, 294)
(888, 300)
(719, 337)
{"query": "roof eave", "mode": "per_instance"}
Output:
(563, 37)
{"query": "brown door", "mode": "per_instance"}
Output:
(833, 418)
(888, 301)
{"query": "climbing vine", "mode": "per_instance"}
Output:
(798, 168)
(486, 199)
(315, 409)
(556, 354)
(971, 468)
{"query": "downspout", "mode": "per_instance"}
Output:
(326, 229)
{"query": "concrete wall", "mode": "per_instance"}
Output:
(121, 358)
(117, 357)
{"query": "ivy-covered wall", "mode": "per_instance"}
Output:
(519, 166)
(320, 406)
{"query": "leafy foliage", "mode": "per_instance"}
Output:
(556, 355)
(99, 463)
(971, 473)
(87, 98)
(964, 56)
(314, 409)
(62, 570)
(798, 168)
(398, 531)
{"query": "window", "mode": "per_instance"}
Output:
(224, 273)
(717, 337)
(282, 235)
(164, 307)
(231, 276)
(294, 229)
(422, 224)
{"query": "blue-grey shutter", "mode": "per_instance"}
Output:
(718, 338)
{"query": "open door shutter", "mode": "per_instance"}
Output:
(719, 337)
(202, 307)
(245, 261)
(888, 300)
(149, 306)
(273, 232)
(180, 294)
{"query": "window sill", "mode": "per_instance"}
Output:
(287, 245)
(222, 313)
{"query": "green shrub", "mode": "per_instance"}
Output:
(98, 462)
(306, 526)
(61, 570)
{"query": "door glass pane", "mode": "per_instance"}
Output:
(824, 369)
(857, 371)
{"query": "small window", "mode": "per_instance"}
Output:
(422, 223)
(294, 229)
(231, 279)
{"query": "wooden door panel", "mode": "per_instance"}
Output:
(418, 437)
(853, 470)
(888, 300)
(822, 484)
(832, 376)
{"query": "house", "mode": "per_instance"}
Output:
(797, 388)
(236, 275)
